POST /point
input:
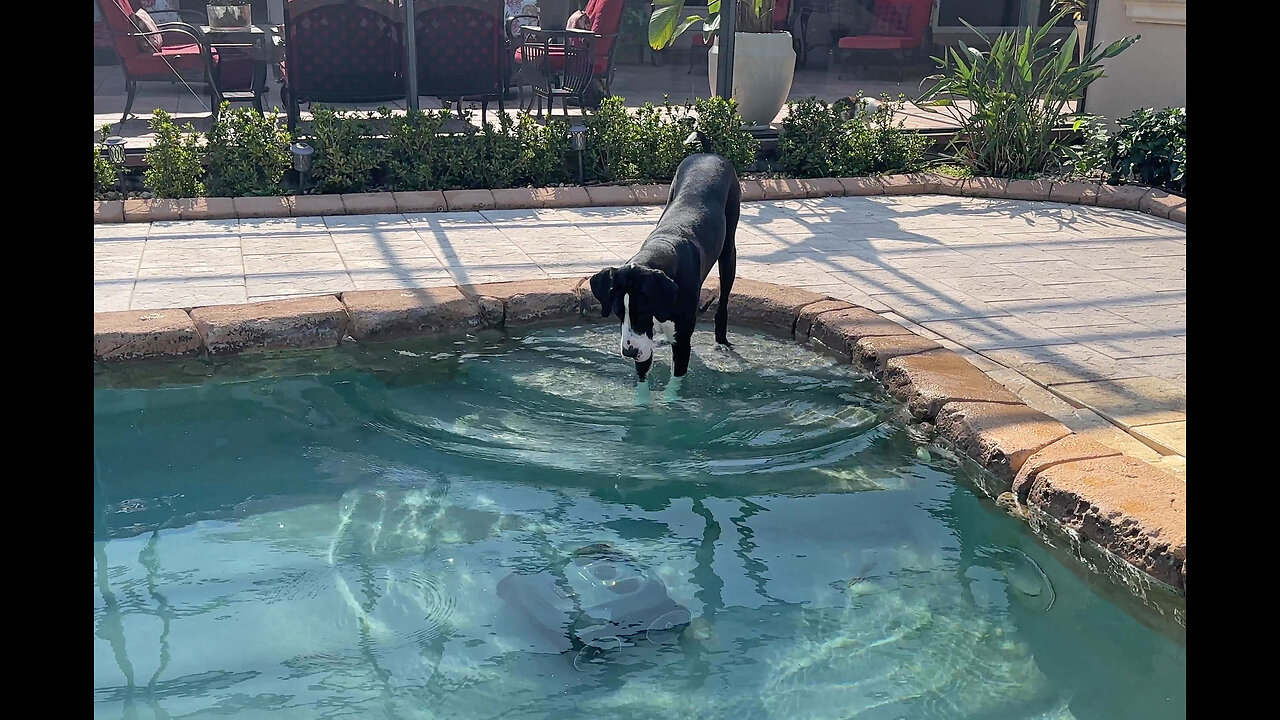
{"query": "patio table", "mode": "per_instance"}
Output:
(256, 39)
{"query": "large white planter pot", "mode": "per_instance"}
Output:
(763, 65)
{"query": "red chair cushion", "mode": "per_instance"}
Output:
(877, 42)
(599, 66)
(606, 19)
(180, 57)
(891, 19)
(780, 10)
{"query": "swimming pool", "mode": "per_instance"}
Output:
(494, 526)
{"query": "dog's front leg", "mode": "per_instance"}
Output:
(680, 351)
(642, 369)
(642, 385)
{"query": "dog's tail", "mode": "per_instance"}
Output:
(698, 140)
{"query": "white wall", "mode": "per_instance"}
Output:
(1153, 72)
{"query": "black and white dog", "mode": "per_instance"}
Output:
(659, 287)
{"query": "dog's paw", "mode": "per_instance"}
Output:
(642, 393)
(672, 391)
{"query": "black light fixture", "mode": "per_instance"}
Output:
(578, 134)
(115, 154)
(302, 163)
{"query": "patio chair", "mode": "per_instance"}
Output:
(342, 51)
(183, 54)
(530, 14)
(590, 74)
(555, 70)
(462, 51)
(898, 31)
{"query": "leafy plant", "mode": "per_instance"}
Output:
(1075, 8)
(826, 140)
(1016, 91)
(811, 139)
(346, 154)
(669, 21)
(105, 175)
(248, 153)
(1150, 148)
(1088, 158)
(544, 150)
(649, 145)
(174, 161)
(413, 149)
(719, 121)
(620, 147)
(421, 155)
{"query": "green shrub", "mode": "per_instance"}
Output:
(346, 151)
(174, 160)
(1150, 148)
(719, 121)
(413, 149)
(105, 177)
(647, 146)
(847, 139)
(248, 153)
(544, 156)
(811, 140)
(421, 156)
(1017, 90)
(1087, 158)
(613, 143)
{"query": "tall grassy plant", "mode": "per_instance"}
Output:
(175, 161)
(1017, 90)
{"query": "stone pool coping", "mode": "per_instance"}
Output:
(1125, 197)
(1042, 469)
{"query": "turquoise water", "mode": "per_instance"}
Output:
(494, 527)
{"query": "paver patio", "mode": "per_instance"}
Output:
(1079, 310)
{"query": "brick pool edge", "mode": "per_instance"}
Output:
(1124, 197)
(1128, 508)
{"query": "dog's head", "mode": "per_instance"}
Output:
(638, 296)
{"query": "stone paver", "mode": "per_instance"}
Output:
(1088, 302)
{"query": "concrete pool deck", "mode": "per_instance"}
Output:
(1078, 310)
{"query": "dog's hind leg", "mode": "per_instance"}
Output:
(728, 264)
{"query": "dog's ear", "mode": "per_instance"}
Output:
(602, 288)
(660, 291)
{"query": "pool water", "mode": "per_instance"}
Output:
(500, 527)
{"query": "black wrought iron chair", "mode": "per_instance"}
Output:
(462, 51)
(344, 51)
(556, 70)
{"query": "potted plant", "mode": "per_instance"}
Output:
(1076, 9)
(764, 59)
(229, 14)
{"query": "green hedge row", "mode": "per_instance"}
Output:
(247, 154)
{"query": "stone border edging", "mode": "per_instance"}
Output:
(1125, 197)
(1126, 507)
